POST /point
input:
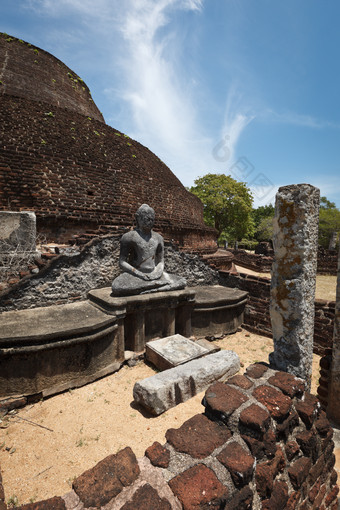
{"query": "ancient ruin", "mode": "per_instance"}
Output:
(333, 409)
(293, 278)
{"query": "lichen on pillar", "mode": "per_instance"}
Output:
(333, 409)
(293, 279)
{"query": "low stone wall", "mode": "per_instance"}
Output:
(257, 315)
(262, 443)
(69, 277)
(327, 261)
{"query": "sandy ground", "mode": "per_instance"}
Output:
(85, 425)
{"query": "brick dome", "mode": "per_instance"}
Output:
(59, 159)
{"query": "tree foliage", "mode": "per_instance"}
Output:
(227, 205)
(329, 223)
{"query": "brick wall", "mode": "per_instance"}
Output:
(77, 173)
(257, 314)
(327, 261)
(30, 72)
(262, 444)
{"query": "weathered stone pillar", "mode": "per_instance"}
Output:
(293, 278)
(333, 409)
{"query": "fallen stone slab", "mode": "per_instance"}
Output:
(167, 389)
(174, 350)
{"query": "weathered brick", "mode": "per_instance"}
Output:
(314, 491)
(255, 418)
(320, 496)
(293, 500)
(199, 486)
(158, 455)
(298, 471)
(55, 503)
(291, 449)
(264, 475)
(242, 500)
(99, 485)
(256, 371)
(316, 470)
(278, 498)
(285, 427)
(288, 383)
(221, 400)
(238, 462)
(333, 478)
(147, 498)
(198, 436)
(308, 409)
(308, 444)
(322, 425)
(274, 400)
(241, 381)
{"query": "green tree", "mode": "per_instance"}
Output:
(227, 205)
(264, 211)
(264, 231)
(329, 223)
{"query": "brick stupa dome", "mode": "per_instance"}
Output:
(59, 159)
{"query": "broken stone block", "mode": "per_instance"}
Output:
(167, 389)
(172, 351)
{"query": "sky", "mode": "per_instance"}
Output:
(242, 87)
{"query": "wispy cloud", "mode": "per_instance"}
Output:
(296, 119)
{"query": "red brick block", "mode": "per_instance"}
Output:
(255, 418)
(285, 427)
(147, 498)
(256, 371)
(322, 425)
(264, 478)
(288, 383)
(55, 503)
(308, 413)
(158, 455)
(221, 400)
(238, 462)
(198, 487)
(291, 449)
(320, 496)
(278, 498)
(308, 444)
(292, 501)
(242, 500)
(333, 478)
(99, 485)
(314, 491)
(275, 401)
(317, 469)
(198, 436)
(298, 471)
(241, 381)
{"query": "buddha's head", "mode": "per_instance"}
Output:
(145, 217)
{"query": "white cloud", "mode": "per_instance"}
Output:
(296, 119)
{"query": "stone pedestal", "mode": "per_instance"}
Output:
(293, 278)
(148, 316)
(217, 311)
(333, 409)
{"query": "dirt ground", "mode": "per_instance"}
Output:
(84, 425)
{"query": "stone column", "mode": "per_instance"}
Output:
(293, 278)
(333, 409)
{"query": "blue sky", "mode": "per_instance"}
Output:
(242, 87)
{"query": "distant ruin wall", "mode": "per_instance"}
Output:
(68, 278)
(257, 316)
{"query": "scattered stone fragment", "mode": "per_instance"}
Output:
(55, 503)
(171, 387)
(99, 485)
(158, 455)
(147, 498)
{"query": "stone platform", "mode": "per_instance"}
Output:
(217, 311)
(148, 316)
(48, 350)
